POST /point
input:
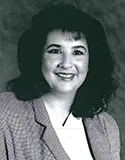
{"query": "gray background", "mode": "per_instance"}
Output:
(14, 19)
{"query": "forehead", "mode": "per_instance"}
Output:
(65, 36)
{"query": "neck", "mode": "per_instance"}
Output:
(59, 104)
(59, 101)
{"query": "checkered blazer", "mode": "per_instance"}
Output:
(26, 133)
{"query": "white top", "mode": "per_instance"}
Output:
(73, 139)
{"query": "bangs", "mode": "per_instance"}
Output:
(70, 35)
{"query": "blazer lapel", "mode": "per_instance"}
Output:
(49, 136)
(95, 132)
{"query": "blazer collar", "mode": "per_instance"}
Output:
(49, 136)
(95, 133)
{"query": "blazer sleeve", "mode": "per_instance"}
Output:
(3, 151)
(113, 135)
(4, 154)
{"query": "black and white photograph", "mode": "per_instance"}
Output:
(62, 80)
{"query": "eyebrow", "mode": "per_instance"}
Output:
(53, 45)
(80, 47)
(59, 46)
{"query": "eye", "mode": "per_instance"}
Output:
(78, 52)
(54, 51)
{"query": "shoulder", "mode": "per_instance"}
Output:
(105, 125)
(107, 121)
(103, 120)
(12, 109)
(112, 132)
(9, 102)
(109, 125)
(7, 97)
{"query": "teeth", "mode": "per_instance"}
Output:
(65, 75)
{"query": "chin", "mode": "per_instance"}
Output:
(66, 89)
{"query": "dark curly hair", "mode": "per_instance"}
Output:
(96, 91)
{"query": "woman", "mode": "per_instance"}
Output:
(56, 108)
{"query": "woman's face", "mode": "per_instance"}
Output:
(64, 61)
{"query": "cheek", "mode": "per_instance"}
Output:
(46, 61)
(45, 66)
(83, 65)
(48, 64)
(46, 70)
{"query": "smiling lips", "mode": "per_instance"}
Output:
(65, 76)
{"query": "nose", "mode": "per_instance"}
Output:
(66, 61)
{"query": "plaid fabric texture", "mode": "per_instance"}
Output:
(26, 133)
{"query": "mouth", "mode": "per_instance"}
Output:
(65, 76)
